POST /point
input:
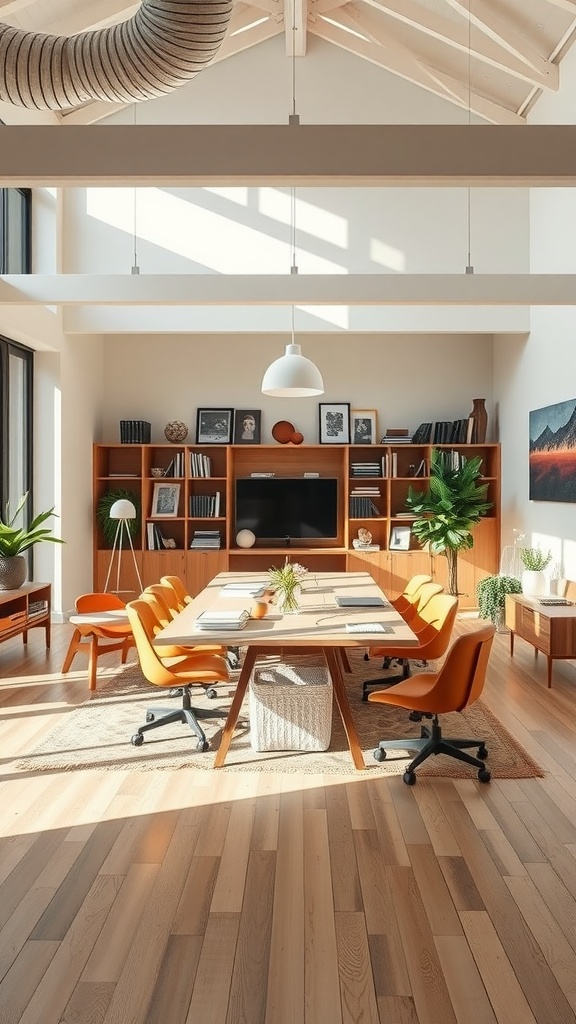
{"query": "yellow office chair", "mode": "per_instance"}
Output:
(196, 670)
(178, 587)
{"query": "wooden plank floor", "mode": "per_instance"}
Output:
(183, 897)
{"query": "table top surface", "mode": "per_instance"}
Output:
(553, 611)
(319, 623)
(113, 617)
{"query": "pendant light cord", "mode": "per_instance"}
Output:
(469, 267)
(135, 267)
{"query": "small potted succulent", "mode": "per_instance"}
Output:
(534, 561)
(16, 539)
(491, 594)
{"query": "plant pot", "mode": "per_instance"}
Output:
(13, 572)
(534, 583)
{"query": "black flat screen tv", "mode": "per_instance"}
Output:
(283, 508)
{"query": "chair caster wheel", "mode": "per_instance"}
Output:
(137, 740)
(484, 775)
(366, 657)
(379, 754)
(149, 716)
(175, 691)
(415, 716)
(482, 752)
(211, 693)
(365, 697)
(202, 746)
(409, 778)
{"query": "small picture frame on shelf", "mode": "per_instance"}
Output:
(400, 538)
(214, 426)
(247, 426)
(364, 426)
(165, 500)
(334, 422)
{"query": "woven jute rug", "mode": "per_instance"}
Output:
(97, 734)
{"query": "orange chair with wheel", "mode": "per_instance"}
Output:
(96, 632)
(199, 670)
(433, 639)
(456, 686)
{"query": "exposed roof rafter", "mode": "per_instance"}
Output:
(481, 15)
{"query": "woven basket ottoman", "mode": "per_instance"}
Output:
(290, 706)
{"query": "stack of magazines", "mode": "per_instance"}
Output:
(218, 621)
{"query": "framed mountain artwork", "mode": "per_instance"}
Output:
(553, 452)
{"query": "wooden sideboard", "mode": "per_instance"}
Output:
(550, 629)
(24, 609)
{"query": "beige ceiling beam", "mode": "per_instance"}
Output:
(295, 18)
(344, 155)
(455, 34)
(566, 5)
(482, 17)
(400, 61)
(275, 289)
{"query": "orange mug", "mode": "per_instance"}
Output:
(259, 609)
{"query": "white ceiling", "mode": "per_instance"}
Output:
(493, 58)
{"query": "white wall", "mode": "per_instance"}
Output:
(540, 370)
(407, 379)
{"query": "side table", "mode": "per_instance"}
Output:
(23, 609)
(550, 629)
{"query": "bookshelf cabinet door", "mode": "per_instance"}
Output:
(202, 567)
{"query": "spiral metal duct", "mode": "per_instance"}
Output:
(164, 45)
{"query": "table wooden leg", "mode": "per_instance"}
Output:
(228, 731)
(344, 658)
(344, 707)
(511, 643)
(549, 660)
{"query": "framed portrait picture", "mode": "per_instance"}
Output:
(247, 426)
(364, 426)
(165, 500)
(400, 538)
(214, 426)
(334, 422)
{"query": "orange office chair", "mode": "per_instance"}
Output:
(178, 587)
(407, 599)
(419, 600)
(167, 598)
(458, 684)
(439, 615)
(162, 616)
(96, 637)
(413, 599)
(195, 670)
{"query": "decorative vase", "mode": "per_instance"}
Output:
(288, 601)
(13, 571)
(175, 431)
(534, 583)
(480, 417)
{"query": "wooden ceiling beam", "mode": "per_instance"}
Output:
(295, 27)
(481, 15)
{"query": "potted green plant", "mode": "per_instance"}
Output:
(16, 539)
(491, 594)
(449, 508)
(533, 579)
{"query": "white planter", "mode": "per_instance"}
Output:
(534, 583)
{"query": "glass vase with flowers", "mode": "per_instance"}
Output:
(287, 584)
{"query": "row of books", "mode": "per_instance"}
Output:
(200, 465)
(453, 460)
(37, 608)
(397, 435)
(176, 465)
(154, 537)
(387, 466)
(135, 432)
(205, 505)
(206, 539)
(363, 508)
(454, 431)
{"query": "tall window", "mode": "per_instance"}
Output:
(16, 377)
(15, 231)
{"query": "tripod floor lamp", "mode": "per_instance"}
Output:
(122, 510)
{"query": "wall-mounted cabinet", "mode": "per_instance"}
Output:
(196, 537)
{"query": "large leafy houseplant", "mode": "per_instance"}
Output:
(107, 525)
(446, 512)
(14, 540)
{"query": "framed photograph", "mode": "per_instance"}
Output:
(165, 499)
(214, 426)
(334, 422)
(364, 426)
(247, 426)
(400, 538)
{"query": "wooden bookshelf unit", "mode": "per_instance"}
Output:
(24, 609)
(390, 472)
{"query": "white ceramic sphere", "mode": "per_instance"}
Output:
(245, 539)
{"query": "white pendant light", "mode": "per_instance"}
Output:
(292, 376)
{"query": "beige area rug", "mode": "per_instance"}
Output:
(97, 734)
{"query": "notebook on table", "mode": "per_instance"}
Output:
(222, 620)
(348, 601)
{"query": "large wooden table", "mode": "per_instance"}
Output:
(320, 625)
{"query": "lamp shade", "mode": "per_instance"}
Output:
(292, 376)
(123, 509)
